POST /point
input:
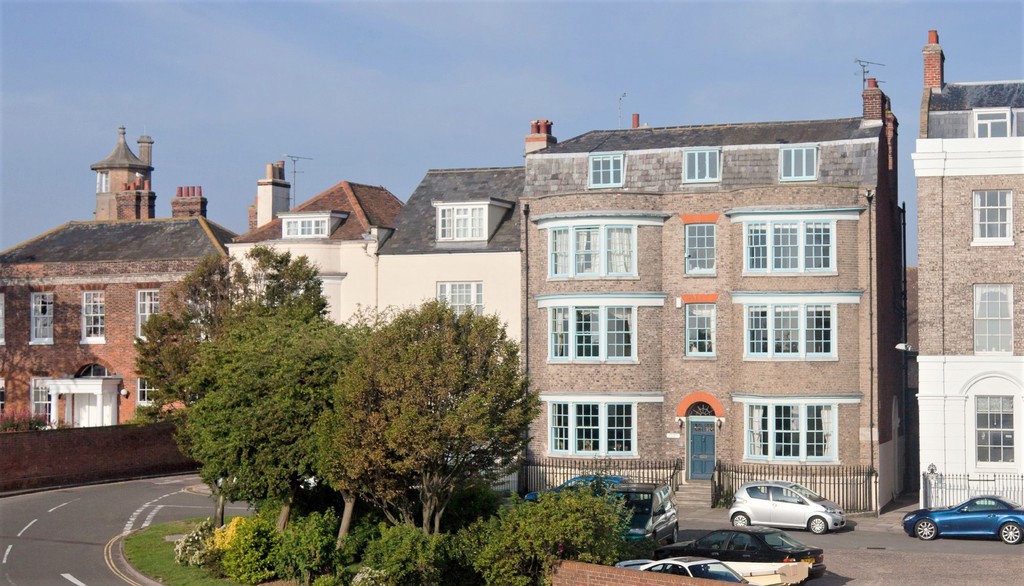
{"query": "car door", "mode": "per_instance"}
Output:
(789, 509)
(760, 504)
(712, 545)
(976, 517)
(742, 547)
(665, 516)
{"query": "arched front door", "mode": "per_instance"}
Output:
(700, 423)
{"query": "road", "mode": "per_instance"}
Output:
(66, 536)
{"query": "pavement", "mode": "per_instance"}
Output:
(889, 519)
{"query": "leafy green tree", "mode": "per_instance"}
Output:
(433, 401)
(219, 291)
(525, 542)
(264, 383)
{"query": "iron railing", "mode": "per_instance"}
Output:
(545, 473)
(947, 490)
(851, 487)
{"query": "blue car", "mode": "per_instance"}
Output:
(983, 516)
(606, 483)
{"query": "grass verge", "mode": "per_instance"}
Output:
(149, 552)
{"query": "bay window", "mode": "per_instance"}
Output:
(797, 430)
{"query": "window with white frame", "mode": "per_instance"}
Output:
(797, 431)
(700, 249)
(592, 251)
(795, 246)
(305, 227)
(606, 170)
(591, 333)
(992, 123)
(41, 318)
(461, 222)
(102, 181)
(147, 305)
(700, 329)
(93, 317)
(2, 320)
(462, 296)
(701, 166)
(993, 319)
(144, 392)
(790, 330)
(994, 428)
(993, 216)
(798, 163)
(592, 428)
(3, 396)
(41, 398)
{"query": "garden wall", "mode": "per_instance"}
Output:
(31, 460)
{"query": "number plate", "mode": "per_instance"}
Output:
(808, 560)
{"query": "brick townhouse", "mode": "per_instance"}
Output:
(718, 293)
(72, 300)
(969, 164)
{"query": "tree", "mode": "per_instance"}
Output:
(433, 400)
(264, 383)
(217, 292)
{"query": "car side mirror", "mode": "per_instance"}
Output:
(660, 511)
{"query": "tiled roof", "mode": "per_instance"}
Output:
(415, 229)
(717, 135)
(158, 239)
(121, 157)
(366, 205)
(968, 96)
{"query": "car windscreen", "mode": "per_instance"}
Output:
(714, 571)
(638, 502)
(806, 493)
(782, 540)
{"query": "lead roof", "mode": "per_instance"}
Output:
(968, 96)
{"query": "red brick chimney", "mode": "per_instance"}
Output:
(252, 215)
(135, 201)
(874, 101)
(636, 120)
(189, 203)
(934, 62)
(540, 136)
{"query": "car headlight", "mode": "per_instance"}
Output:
(833, 511)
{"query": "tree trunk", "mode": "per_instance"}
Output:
(286, 511)
(218, 512)
(346, 518)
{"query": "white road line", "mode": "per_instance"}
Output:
(7, 552)
(61, 505)
(149, 518)
(131, 519)
(71, 579)
(26, 527)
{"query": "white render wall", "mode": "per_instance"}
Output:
(408, 280)
(947, 388)
(348, 270)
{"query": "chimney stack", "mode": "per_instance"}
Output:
(189, 203)
(272, 194)
(540, 136)
(934, 62)
(146, 149)
(874, 101)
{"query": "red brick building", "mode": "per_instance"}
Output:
(72, 300)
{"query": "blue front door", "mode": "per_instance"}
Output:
(702, 449)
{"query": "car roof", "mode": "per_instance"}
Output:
(751, 529)
(689, 559)
(639, 486)
(783, 483)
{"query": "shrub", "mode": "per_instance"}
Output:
(329, 581)
(469, 503)
(194, 547)
(405, 556)
(249, 558)
(308, 547)
(528, 539)
(22, 420)
(365, 529)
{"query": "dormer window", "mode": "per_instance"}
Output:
(461, 222)
(991, 123)
(606, 170)
(309, 225)
(798, 163)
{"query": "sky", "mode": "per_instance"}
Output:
(381, 92)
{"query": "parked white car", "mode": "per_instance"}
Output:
(779, 503)
(691, 567)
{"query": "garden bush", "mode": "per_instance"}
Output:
(308, 549)
(469, 503)
(194, 547)
(406, 557)
(249, 558)
(22, 420)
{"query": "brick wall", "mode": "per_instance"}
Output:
(580, 574)
(63, 457)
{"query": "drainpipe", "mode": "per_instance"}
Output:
(526, 295)
(870, 196)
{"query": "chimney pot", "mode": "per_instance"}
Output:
(535, 127)
(199, 191)
(872, 82)
(933, 37)
(636, 120)
(147, 185)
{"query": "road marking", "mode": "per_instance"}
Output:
(27, 526)
(135, 515)
(7, 552)
(71, 579)
(61, 505)
(149, 518)
(108, 557)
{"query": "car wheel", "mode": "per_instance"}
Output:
(1011, 533)
(817, 526)
(740, 520)
(925, 529)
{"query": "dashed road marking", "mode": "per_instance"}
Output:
(61, 505)
(72, 579)
(27, 526)
(7, 552)
(149, 518)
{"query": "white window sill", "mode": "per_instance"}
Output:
(91, 341)
(594, 362)
(788, 273)
(41, 342)
(700, 356)
(748, 358)
(998, 242)
(797, 179)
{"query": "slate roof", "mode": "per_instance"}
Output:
(99, 241)
(758, 133)
(121, 157)
(366, 205)
(415, 229)
(968, 96)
